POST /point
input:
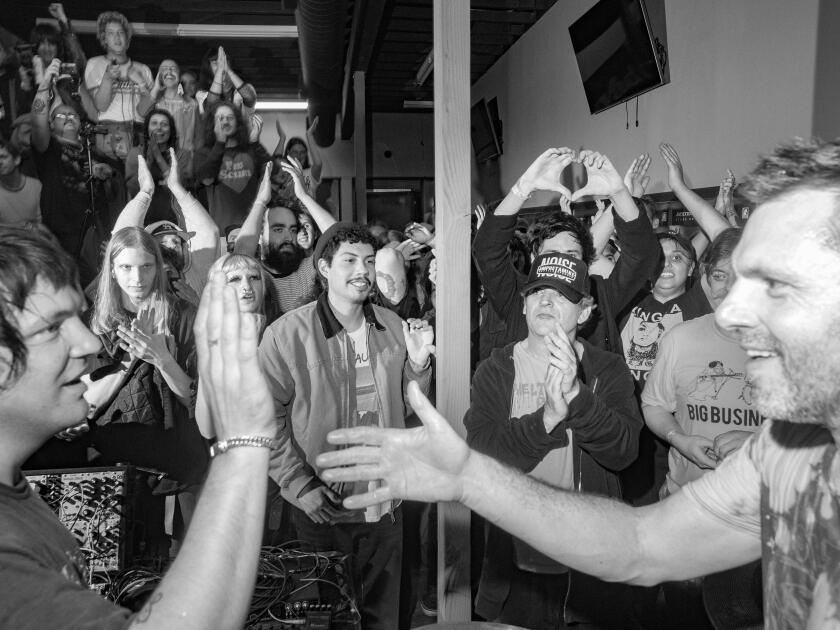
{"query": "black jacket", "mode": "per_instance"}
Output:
(605, 421)
(503, 284)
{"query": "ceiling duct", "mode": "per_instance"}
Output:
(321, 25)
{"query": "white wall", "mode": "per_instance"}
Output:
(402, 145)
(742, 78)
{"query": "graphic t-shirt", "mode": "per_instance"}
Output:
(125, 92)
(231, 194)
(699, 377)
(642, 330)
(557, 467)
(368, 413)
(782, 485)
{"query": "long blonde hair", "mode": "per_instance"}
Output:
(108, 309)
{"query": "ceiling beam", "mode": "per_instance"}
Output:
(219, 31)
(367, 17)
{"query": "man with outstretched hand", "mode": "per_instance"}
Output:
(775, 498)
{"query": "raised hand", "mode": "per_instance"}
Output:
(50, 73)
(235, 388)
(256, 128)
(602, 178)
(422, 464)
(291, 166)
(310, 131)
(676, 179)
(409, 250)
(636, 178)
(724, 203)
(545, 172)
(418, 233)
(144, 176)
(173, 179)
(419, 337)
(264, 191)
(565, 205)
(221, 62)
(56, 10)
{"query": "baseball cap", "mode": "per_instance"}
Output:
(159, 228)
(566, 274)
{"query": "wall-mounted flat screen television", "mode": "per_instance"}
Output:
(616, 53)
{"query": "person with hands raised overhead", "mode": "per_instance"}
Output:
(563, 411)
(563, 233)
(191, 245)
(165, 94)
(229, 164)
(708, 217)
(42, 569)
(273, 231)
(338, 362)
(226, 85)
(160, 134)
(308, 158)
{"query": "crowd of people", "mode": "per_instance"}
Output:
(218, 305)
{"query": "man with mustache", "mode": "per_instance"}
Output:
(343, 362)
(776, 498)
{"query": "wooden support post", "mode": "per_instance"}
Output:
(452, 230)
(360, 147)
(345, 212)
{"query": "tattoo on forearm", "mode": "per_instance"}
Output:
(390, 289)
(39, 106)
(146, 612)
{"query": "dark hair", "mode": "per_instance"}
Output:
(721, 248)
(27, 255)
(173, 131)
(205, 72)
(49, 33)
(241, 134)
(332, 240)
(11, 147)
(292, 142)
(682, 242)
(555, 223)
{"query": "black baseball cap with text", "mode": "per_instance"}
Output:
(566, 274)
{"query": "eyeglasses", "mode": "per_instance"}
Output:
(66, 117)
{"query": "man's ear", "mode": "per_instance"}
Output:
(323, 267)
(587, 305)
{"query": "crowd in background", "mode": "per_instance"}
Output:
(602, 368)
